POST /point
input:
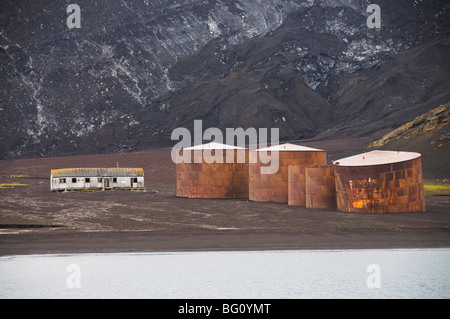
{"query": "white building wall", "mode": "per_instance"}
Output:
(79, 183)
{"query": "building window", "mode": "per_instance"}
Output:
(99, 180)
(62, 180)
(87, 180)
(74, 180)
(134, 180)
(114, 179)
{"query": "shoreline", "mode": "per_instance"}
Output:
(150, 242)
(231, 252)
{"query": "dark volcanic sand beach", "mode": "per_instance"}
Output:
(34, 220)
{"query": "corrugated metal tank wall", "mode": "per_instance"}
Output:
(297, 185)
(213, 180)
(320, 187)
(387, 188)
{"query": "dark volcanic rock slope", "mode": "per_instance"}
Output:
(136, 70)
(428, 134)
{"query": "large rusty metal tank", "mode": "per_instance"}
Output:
(274, 187)
(203, 176)
(380, 182)
(320, 187)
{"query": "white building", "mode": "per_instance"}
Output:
(96, 178)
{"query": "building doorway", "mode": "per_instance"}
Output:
(107, 183)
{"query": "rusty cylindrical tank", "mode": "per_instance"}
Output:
(380, 182)
(274, 187)
(320, 188)
(201, 177)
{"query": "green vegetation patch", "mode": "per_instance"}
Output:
(12, 185)
(437, 188)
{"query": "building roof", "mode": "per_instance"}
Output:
(98, 172)
(290, 148)
(377, 158)
(214, 146)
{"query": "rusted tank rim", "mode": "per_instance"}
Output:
(214, 146)
(377, 158)
(289, 148)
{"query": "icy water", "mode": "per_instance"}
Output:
(418, 273)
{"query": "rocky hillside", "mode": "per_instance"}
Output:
(136, 70)
(428, 134)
